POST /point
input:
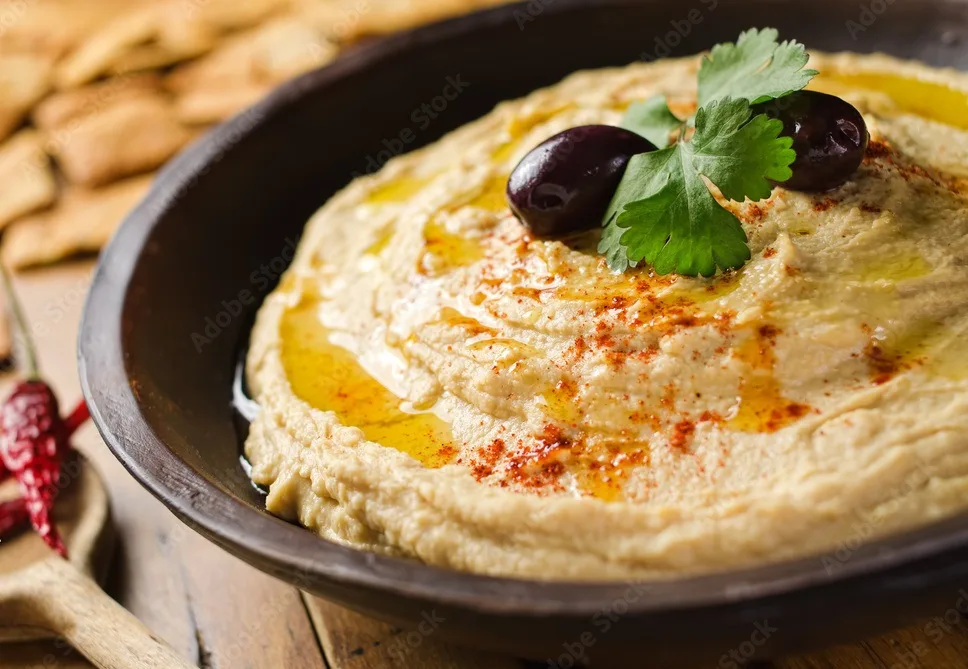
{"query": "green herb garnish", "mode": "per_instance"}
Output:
(663, 212)
(652, 119)
(755, 68)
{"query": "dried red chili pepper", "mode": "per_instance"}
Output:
(33, 437)
(33, 440)
(15, 513)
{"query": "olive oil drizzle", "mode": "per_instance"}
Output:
(931, 100)
(330, 378)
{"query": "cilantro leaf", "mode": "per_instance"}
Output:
(611, 246)
(683, 229)
(755, 68)
(738, 154)
(663, 212)
(652, 119)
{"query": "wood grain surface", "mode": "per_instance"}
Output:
(220, 613)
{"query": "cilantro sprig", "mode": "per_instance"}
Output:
(663, 212)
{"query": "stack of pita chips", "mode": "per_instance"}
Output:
(96, 96)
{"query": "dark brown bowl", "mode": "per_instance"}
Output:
(175, 293)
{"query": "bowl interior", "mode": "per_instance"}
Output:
(178, 287)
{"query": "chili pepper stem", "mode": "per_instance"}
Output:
(20, 321)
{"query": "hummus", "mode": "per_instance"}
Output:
(436, 384)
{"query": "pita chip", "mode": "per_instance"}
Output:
(23, 82)
(129, 137)
(82, 222)
(144, 37)
(245, 67)
(26, 178)
(61, 107)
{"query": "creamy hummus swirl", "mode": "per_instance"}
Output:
(436, 384)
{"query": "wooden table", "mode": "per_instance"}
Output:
(221, 613)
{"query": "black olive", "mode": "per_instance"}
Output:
(565, 183)
(829, 136)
